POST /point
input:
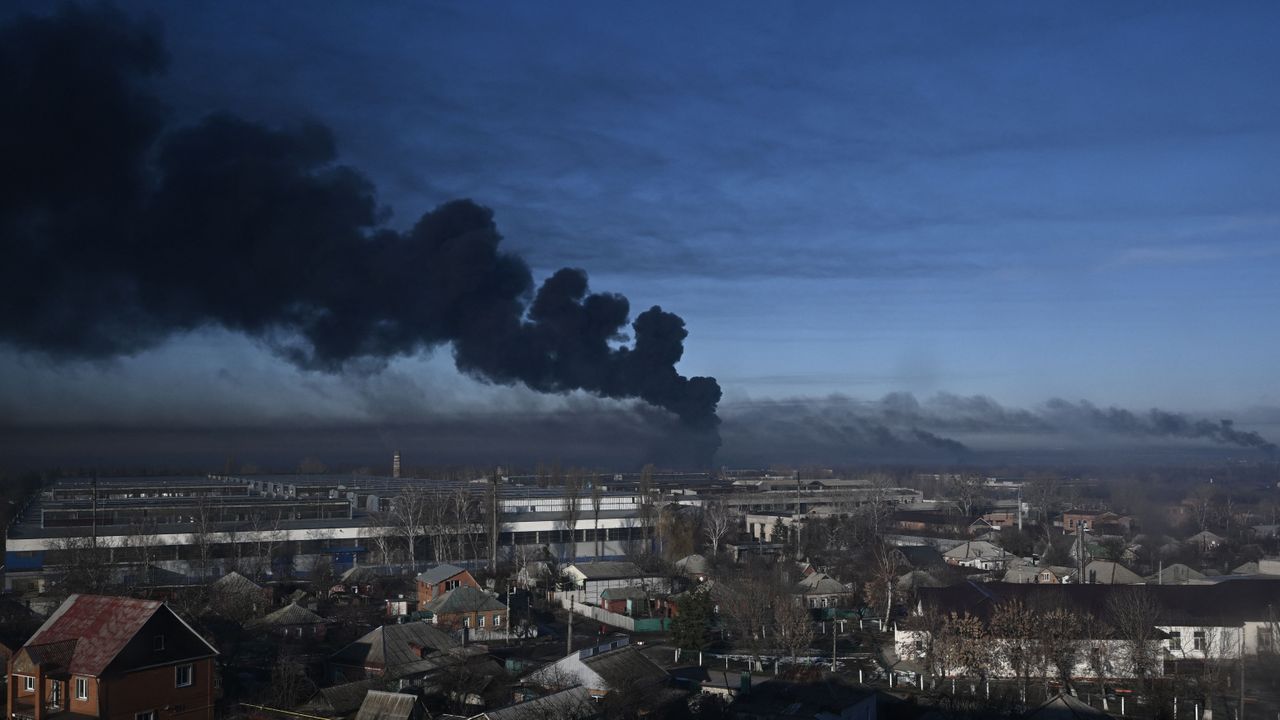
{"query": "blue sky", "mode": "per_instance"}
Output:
(1010, 199)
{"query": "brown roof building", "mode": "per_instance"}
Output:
(112, 658)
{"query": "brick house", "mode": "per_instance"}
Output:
(467, 607)
(112, 658)
(441, 579)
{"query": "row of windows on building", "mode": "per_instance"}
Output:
(184, 676)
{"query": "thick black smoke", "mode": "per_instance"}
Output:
(1155, 423)
(839, 429)
(117, 232)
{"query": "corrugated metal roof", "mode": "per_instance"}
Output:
(291, 614)
(392, 645)
(439, 574)
(464, 599)
(381, 705)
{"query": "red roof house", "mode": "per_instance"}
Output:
(112, 657)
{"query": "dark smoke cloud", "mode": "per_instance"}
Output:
(117, 232)
(1155, 423)
(899, 427)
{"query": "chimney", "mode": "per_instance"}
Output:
(395, 465)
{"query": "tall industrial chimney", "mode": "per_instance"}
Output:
(395, 465)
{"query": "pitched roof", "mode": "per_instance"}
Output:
(624, 667)
(609, 570)
(390, 646)
(343, 698)
(1065, 707)
(291, 614)
(974, 549)
(1175, 573)
(631, 592)
(234, 582)
(1110, 573)
(820, 584)
(572, 703)
(439, 574)
(87, 632)
(463, 599)
(382, 705)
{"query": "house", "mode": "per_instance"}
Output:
(608, 667)
(693, 566)
(978, 554)
(1096, 521)
(343, 699)
(762, 525)
(467, 607)
(1063, 706)
(590, 579)
(1206, 540)
(1000, 519)
(291, 621)
(625, 600)
(571, 704)
(1106, 572)
(919, 556)
(359, 580)
(785, 700)
(930, 521)
(1175, 574)
(386, 650)
(238, 594)
(441, 579)
(382, 705)
(113, 657)
(1223, 620)
(820, 590)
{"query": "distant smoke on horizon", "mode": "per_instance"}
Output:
(118, 231)
(839, 429)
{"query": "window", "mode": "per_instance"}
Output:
(1198, 640)
(1175, 640)
(82, 688)
(481, 620)
(497, 620)
(185, 675)
(466, 622)
(158, 643)
(145, 715)
(28, 683)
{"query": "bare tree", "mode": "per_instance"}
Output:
(1014, 628)
(717, 521)
(1134, 614)
(793, 627)
(966, 490)
(572, 509)
(1059, 646)
(885, 569)
(597, 499)
(746, 605)
(646, 501)
(411, 510)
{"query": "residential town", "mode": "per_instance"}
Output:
(733, 594)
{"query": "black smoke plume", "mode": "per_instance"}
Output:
(118, 231)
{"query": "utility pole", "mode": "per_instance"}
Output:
(797, 522)
(833, 644)
(1020, 508)
(568, 638)
(93, 484)
(493, 524)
